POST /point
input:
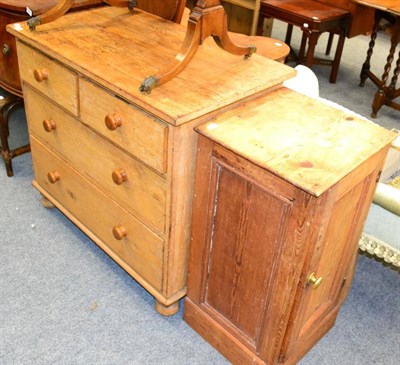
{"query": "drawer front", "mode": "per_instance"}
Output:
(56, 81)
(129, 182)
(132, 129)
(140, 248)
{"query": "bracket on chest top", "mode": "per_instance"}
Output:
(208, 18)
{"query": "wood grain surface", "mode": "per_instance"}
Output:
(119, 49)
(306, 142)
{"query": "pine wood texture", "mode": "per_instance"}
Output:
(279, 146)
(134, 154)
(61, 84)
(258, 235)
(212, 80)
(144, 191)
(141, 250)
(139, 133)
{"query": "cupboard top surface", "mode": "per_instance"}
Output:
(304, 141)
(119, 49)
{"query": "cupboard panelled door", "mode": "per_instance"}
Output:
(238, 282)
(251, 229)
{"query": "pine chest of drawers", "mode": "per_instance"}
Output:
(118, 163)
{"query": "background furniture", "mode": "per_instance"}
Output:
(313, 18)
(268, 47)
(119, 163)
(236, 22)
(277, 216)
(385, 95)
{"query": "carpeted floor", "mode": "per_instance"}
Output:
(64, 302)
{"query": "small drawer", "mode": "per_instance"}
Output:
(48, 76)
(127, 126)
(124, 235)
(128, 181)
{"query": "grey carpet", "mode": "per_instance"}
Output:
(63, 301)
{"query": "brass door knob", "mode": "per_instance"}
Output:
(49, 125)
(312, 280)
(119, 232)
(40, 74)
(119, 176)
(113, 121)
(53, 176)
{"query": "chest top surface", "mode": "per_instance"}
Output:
(119, 49)
(304, 141)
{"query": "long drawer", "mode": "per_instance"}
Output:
(129, 182)
(131, 241)
(50, 77)
(129, 127)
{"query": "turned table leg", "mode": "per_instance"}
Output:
(367, 65)
(166, 310)
(383, 95)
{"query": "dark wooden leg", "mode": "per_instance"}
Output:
(366, 66)
(312, 42)
(329, 44)
(289, 32)
(392, 92)
(381, 95)
(302, 48)
(338, 55)
(260, 24)
(6, 107)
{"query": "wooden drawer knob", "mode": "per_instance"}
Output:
(49, 125)
(113, 121)
(40, 74)
(119, 176)
(119, 232)
(53, 176)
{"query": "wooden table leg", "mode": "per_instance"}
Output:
(367, 65)
(338, 55)
(7, 105)
(386, 94)
(312, 42)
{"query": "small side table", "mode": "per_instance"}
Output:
(386, 93)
